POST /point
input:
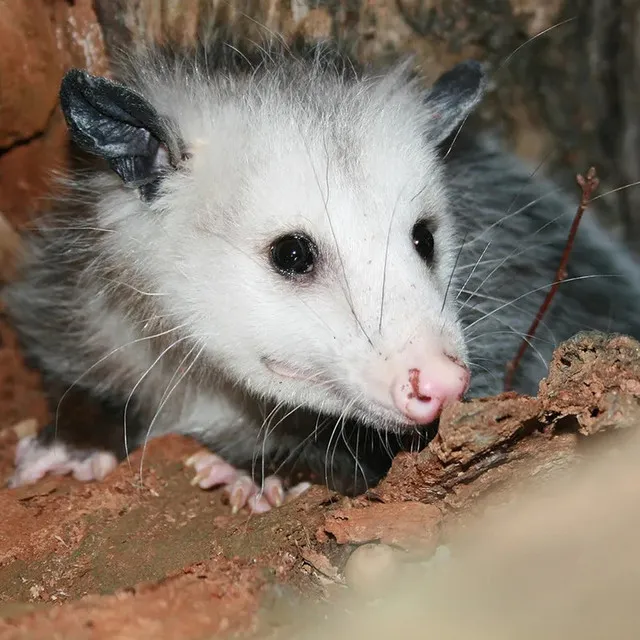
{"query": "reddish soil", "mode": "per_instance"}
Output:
(148, 557)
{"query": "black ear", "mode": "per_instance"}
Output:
(453, 97)
(110, 120)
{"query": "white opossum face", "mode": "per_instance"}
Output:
(304, 240)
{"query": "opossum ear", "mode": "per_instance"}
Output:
(110, 120)
(453, 97)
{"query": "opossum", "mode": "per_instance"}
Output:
(294, 259)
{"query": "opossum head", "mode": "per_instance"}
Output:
(295, 222)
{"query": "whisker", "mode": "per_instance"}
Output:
(535, 37)
(269, 430)
(531, 176)
(496, 332)
(319, 428)
(356, 462)
(130, 286)
(263, 429)
(335, 238)
(516, 307)
(142, 377)
(453, 270)
(491, 372)
(326, 457)
(325, 194)
(386, 259)
(517, 212)
(386, 252)
(536, 290)
(527, 338)
(47, 227)
(475, 266)
(102, 359)
(616, 190)
(166, 397)
(340, 424)
(503, 63)
(508, 257)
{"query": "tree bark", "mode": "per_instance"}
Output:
(567, 98)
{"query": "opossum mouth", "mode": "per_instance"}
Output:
(376, 415)
(286, 371)
(382, 418)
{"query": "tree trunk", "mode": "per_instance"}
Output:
(566, 98)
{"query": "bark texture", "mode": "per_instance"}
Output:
(566, 98)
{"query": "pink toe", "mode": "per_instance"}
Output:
(259, 504)
(217, 474)
(203, 460)
(298, 490)
(82, 470)
(24, 445)
(240, 491)
(273, 491)
(102, 464)
(212, 470)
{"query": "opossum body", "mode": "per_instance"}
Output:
(267, 257)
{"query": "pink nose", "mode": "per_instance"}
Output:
(420, 395)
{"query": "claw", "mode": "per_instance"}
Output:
(213, 471)
(258, 504)
(274, 491)
(240, 491)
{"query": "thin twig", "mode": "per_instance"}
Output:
(588, 185)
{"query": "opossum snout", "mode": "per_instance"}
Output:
(421, 393)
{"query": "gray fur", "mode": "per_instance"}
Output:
(488, 185)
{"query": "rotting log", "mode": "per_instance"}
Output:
(487, 449)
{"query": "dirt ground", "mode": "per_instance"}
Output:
(140, 556)
(147, 554)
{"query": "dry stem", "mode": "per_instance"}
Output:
(588, 185)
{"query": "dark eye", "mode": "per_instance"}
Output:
(423, 241)
(294, 254)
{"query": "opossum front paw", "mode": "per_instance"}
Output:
(213, 471)
(34, 460)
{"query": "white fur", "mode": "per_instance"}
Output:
(348, 165)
